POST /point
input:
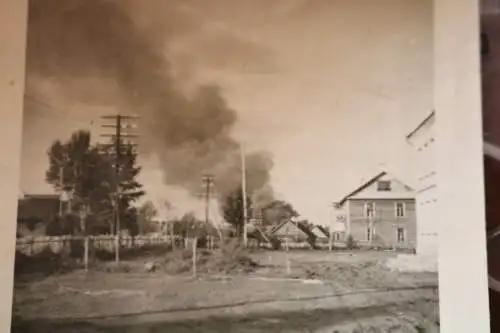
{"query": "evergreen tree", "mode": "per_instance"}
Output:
(88, 172)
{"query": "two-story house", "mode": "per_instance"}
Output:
(381, 212)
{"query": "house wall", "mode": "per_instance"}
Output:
(339, 219)
(426, 198)
(385, 221)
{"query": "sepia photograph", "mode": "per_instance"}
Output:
(229, 166)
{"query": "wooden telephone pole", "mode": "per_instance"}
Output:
(208, 181)
(244, 195)
(208, 184)
(121, 123)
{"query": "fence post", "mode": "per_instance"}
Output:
(86, 252)
(195, 243)
(31, 246)
(287, 257)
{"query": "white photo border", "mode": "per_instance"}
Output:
(463, 290)
(13, 19)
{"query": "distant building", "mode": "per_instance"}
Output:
(381, 212)
(293, 231)
(35, 212)
(422, 138)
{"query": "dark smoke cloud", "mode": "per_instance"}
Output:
(70, 40)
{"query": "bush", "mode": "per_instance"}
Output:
(44, 263)
(275, 243)
(351, 243)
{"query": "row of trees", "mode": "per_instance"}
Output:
(232, 208)
(96, 179)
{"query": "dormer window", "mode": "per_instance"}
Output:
(384, 186)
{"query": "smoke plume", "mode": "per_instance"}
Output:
(73, 40)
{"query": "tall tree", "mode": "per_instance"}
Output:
(78, 168)
(88, 172)
(129, 189)
(232, 209)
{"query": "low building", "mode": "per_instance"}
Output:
(290, 231)
(381, 212)
(422, 138)
(35, 212)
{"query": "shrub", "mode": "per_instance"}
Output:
(351, 243)
(275, 243)
(44, 263)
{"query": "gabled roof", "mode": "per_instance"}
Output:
(361, 188)
(421, 124)
(301, 227)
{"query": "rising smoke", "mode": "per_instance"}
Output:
(70, 40)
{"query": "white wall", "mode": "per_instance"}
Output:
(426, 198)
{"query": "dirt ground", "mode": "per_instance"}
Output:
(295, 292)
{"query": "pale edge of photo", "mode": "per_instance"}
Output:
(462, 254)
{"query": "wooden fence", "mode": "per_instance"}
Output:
(63, 244)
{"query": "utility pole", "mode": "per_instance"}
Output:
(61, 183)
(118, 137)
(208, 183)
(83, 225)
(63, 194)
(244, 194)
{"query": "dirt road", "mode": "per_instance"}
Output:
(344, 294)
(233, 305)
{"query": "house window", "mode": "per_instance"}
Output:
(384, 186)
(401, 235)
(369, 209)
(400, 209)
(368, 234)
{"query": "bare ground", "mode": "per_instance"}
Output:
(343, 293)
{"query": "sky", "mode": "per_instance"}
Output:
(330, 88)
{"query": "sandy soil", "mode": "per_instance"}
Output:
(356, 294)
